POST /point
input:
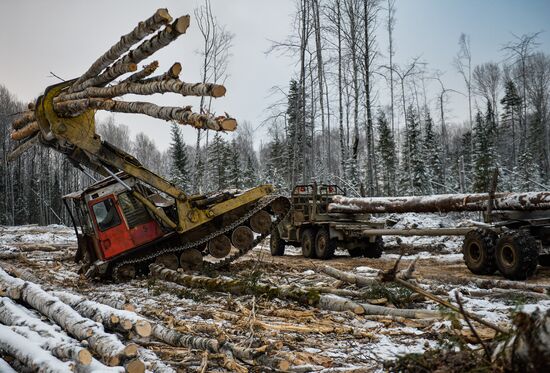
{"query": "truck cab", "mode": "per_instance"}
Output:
(112, 221)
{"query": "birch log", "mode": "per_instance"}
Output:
(442, 203)
(110, 317)
(60, 345)
(172, 73)
(114, 300)
(150, 25)
(108, 346)
(109, 75)
(143, 51)
(29, 130)
(181, 115)
(29, 353)
(23, 120)
(142, 74)
(161, 86)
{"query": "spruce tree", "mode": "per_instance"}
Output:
(295, 133)
(387, 152)
(432, 155)
(179, 172)
(250, 175)
(485, 157)
(414, 178)
(218, 163)
(234, 176)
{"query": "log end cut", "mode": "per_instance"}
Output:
(228, 124)
(84, 357)
(181, 24)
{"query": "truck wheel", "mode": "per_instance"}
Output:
(374, 249)
(308, 243)
(276, 243)
(517, 255)
(324, 245)
(478, 250)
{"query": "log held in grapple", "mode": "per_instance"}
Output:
(528, 201)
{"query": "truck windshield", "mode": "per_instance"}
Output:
(106, 214)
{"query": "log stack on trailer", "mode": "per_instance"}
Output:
(514, 239)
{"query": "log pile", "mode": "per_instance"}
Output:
(528, 201)
(98, 88)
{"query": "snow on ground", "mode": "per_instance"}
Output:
(205, 313)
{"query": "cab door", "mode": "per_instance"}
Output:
(113, 235)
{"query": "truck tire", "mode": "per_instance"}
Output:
(478, 251)
(517, 255)
(374, 249)
(308, 243)
(324, 245)
(276, 243)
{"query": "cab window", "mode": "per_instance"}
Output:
(106, 214)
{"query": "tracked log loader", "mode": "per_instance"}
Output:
(134, 217)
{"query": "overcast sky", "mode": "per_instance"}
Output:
(66, 36)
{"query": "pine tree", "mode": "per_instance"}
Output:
(387, 153)
(179, 172)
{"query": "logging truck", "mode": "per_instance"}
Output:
(513, 239)
(318, 232)
(134, 217)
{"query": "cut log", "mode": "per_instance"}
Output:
(29, 130)
(180, 115)
(58, 344)
(144, 73)
(148, 47)
(371, 309)
(149, 88)
(106, 345)
(336, 303)
(442, 203)
(242, 238)
(134, 366)
(114, 300)
(260, 222)
(168, 260)
(25, 118)
(29, 353)
(350, 278)
(172, 73)
(150, 25)
(111, 318)
(109, 75)
(220, 246)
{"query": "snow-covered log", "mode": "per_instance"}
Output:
(108, 346)
(5, 367)
(442, 203)
(110, 317)
(60, 345)
(114, 300)
(29, 353)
